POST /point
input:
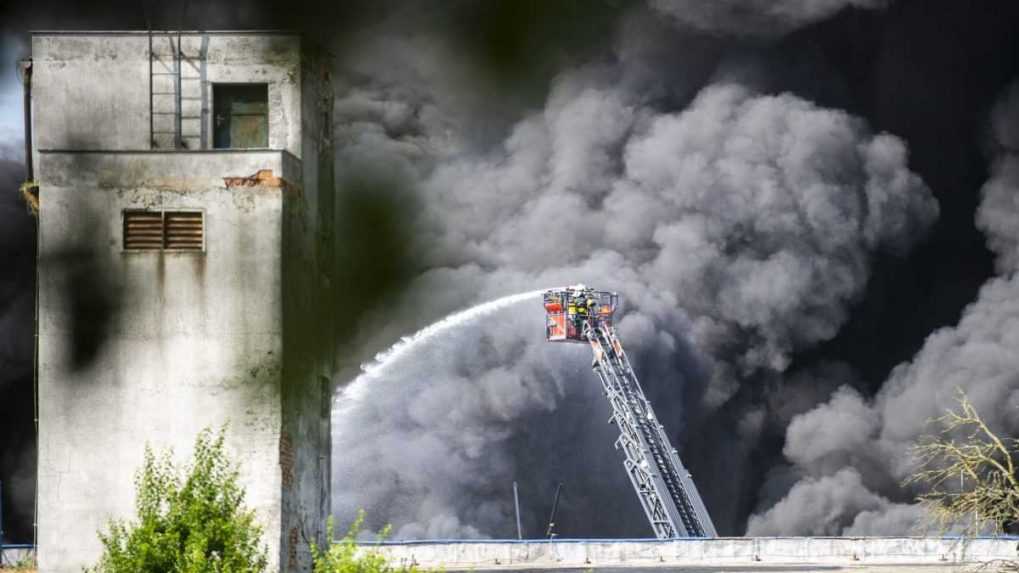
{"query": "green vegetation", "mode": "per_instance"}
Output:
(29, 191)
(189, 520)
(345, 556)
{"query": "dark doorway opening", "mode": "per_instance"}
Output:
(240, 116)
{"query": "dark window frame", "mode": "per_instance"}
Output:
(215, 115)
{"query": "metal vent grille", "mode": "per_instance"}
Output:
(164, 231)
(143, 230)
(184, 230)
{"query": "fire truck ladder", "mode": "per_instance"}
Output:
(663, 485)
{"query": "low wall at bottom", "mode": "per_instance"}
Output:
(12, 555)
(734, 551)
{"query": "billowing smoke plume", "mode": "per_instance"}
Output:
(16, 295)
(739, 230)
(17, 279)
(853, 453)
(755, 18)
(821, 505)
(998, 216)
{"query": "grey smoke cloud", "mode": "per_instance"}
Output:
(17, 252)
(738, 229)
(836, 504)
(16, 294)
(872, 438)
(998, 215)
(755, 18)
(830, 436)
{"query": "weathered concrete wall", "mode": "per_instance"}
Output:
(91, 90)
(275, 60)
(746, 553)
(309, 316)
(151, 347)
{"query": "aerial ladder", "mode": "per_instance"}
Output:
(664, 486)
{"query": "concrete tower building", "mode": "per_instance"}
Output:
(186, 240)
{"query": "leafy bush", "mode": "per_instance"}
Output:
(345, 556)
(189, 520)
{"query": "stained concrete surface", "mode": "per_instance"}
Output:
(759, 569)
(149, 347)
(872, 554)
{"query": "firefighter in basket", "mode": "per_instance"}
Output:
(581, 315)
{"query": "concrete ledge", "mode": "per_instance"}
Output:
(738, 551)
(11, 555)
(160, 169)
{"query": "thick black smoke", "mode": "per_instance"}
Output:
(17, 295)
(853, 453)
(740, 226)
(754, 18)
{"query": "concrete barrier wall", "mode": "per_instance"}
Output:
(13, 555)
(832, 551)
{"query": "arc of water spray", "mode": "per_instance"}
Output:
(408, 344)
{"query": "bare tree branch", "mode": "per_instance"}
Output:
(972, 480)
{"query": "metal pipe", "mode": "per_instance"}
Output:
(25, 71)
(516, 504)
(35, 376)
(204, 88)
(179, 127)
(550, 532)
(152, 119)
(35, 386)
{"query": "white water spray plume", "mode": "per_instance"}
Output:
(408, 344)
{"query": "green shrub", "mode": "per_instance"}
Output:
(189, 520)
(343, 556)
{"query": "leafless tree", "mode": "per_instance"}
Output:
(968, 474)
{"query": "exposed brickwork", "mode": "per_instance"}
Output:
(263, 178)
(287, 460)
(292, 548)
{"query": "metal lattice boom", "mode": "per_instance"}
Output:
(664, 487)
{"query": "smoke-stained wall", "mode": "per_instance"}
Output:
(141, 348)
(308, 320)
(150, 347)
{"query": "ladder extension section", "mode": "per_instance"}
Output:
(663, 484)
(674, 508)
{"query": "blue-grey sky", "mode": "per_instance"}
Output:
(11, 48)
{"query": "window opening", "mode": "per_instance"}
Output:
(240, 116)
